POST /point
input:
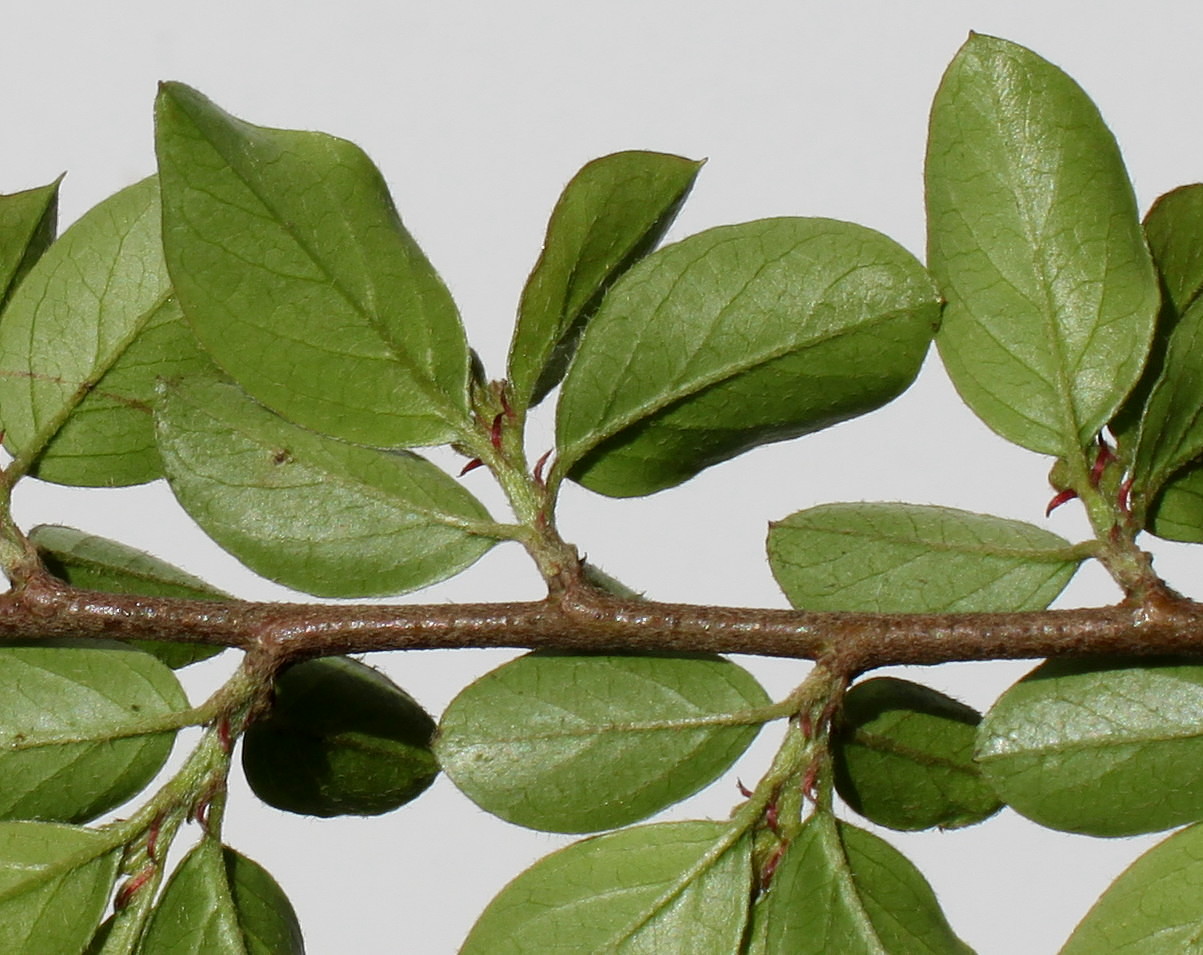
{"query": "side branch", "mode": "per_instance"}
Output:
(584, 620)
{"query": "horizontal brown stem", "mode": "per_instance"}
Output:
(584, 619)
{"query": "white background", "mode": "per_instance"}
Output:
(478, 114)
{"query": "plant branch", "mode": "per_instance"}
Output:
(584, 619)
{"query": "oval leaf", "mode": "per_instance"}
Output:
(612, 213)
(735, 337)
(83, 727)
(581, 743)
(1152, 908)
(653, 890)
(298, 277)
(1173, 228)
(55, 883)
(96, 563)
(1106, 748)
(27, 224)
(1034, 238)
(330, 518)
(912, 558)
(84, 340)
(218, 900)
(340, 739)
(841, 889)
(904, 757)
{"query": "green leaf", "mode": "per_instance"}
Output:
(27, 224)
(1105, 747)
(84, 340)
(735, 337)
(330, 518)
(1174, 229)
(1177, 512)
(653, 890)
(1152, 908)
(218, 900)
(904, 757)
(912, 558)
(298, 277)
(54, 885)
(84, 725)
(96, 563)
(612, 213)
(581, 743)
(340, 739)
(1035, 241)
(841, 889)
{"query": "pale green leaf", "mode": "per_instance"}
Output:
(1035, 241)
(84, 726)
(1106, 748)
(219, 901)
(27, 225)
(612, 213)
(84, 339)
(96, 563)
(903, 757)
(735, 337)
(340, 739)
(299, 279)
(670, 889)
(312, 512)
(841, 889)
(912, 558)
(1155, 907)
(55, 883)
(582, 743)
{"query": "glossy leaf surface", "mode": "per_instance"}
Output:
(841, 889)
(27, 224)
(904, 757)
(671, 889)
(735, 337)
(582, 743)
(1152, 908)
(96, 563)
(341, 739)
(330, 518)
(85, 337)
(54, 885)
(81, 727)
(1035, 241)
(1105, 748)
(612, 213)
(911, 558)
(298, 277)
(218, 900)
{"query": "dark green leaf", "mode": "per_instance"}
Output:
(341, 739)
(670, 889)
(1177, 512)
(54, 885)
(312, 512)
(581, 743)
(27, 224)
(1107, 748)
(1174, 229)
(298, 277)
(1034, 238)
(219, 901)
(735, 337)
(83, 727)
(1152, 908)
(904, 757)
(841, 889)
(96, 563)
(612, 213)
(84, 340)
(912, 558)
